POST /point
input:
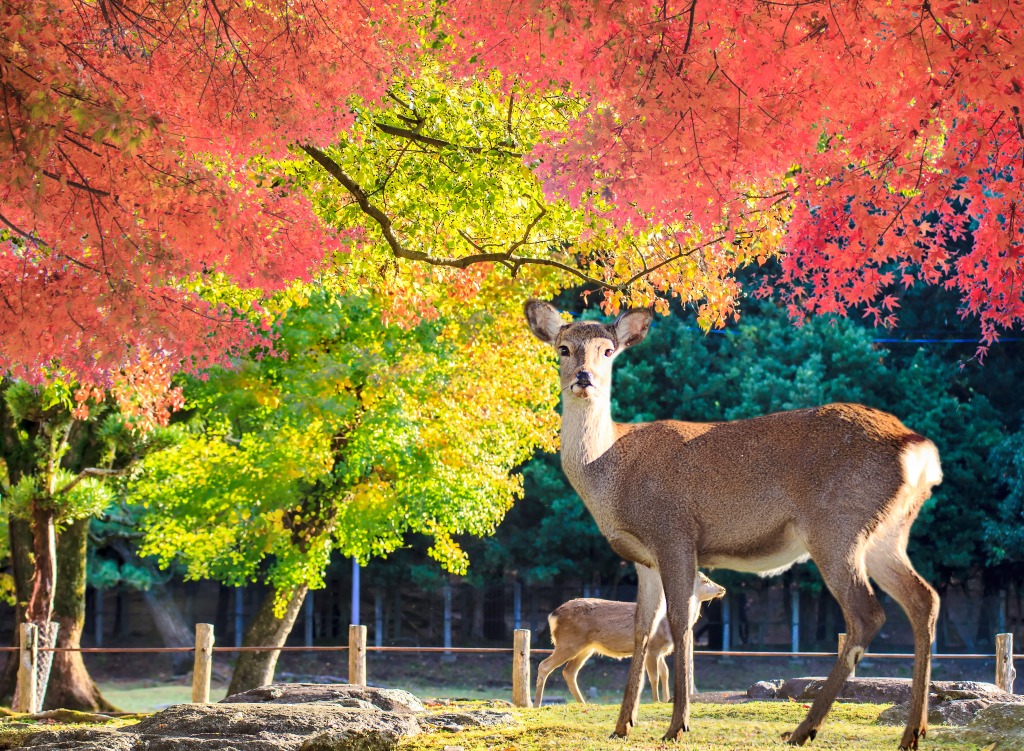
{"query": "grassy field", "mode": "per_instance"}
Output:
(714, 727)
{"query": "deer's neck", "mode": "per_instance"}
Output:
(587, 434)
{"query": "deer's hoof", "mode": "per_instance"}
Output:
(910, 739)
(617, 734)
(795, 738)
(673, 733)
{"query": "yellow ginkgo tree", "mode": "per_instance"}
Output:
(357, 433)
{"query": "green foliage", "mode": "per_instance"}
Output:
(359, 433)
(1005, 529)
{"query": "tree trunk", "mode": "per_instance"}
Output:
(255, 669)
(71, 686)
(23, 563)
(174, 632)
(40, 602)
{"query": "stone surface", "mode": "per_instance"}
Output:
(480, 718)
(890, 690)
(1000, 724)
(763, 690)
(81, 739)
(387, 699)
(235, 726)
(956, 712)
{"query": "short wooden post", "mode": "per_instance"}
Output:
(28, 670)
(842, 643)
(357, 655)
(521, 668)
(1005, 672)
(202, 666)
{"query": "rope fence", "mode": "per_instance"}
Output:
(521, 651)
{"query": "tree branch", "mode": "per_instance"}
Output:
(94, 472)
(413, 135)
(505, 257)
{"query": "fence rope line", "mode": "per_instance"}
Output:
(491, 650)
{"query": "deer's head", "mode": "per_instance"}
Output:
(707, 589)
(587, 349)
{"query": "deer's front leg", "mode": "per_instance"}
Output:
(678, 578)
(650, 601)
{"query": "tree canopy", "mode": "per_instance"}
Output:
(360, 433)
(136, 136)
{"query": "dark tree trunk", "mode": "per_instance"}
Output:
(44, 544)
(71, 686)
(255, 669)
(477, 630)
(174, 632)
(23, 563)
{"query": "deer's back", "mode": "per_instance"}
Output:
(605, 626)
(748, 489)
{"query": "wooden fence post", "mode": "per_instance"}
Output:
(357, 655)
(27, 690)
(202, 666)
(521, 668)
(1005, 672)
(842, 643)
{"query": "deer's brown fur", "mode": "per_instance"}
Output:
(841, 484)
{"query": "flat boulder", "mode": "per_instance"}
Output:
(763, 690)
(890, 690)
(342, 694)
(999, 727)
(237, 726)
(478, 718)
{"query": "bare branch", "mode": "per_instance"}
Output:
(507, 258)
(94, 472)
(413, 135)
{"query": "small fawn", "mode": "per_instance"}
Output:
(581, 627)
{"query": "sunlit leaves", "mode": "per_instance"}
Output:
(360, 433)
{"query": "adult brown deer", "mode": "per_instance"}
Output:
(840, 484)
(586, 625)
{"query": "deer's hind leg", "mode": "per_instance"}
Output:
(572, 669)
(546, 667)
(842, 568)
(888, 565)
(650, 600)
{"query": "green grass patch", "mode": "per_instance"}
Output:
(146, 696)
(714, 727)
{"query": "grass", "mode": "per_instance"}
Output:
(714, 727)
(150, 696)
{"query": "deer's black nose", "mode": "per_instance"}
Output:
(583, 378)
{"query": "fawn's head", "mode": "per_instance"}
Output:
(707, 589)
(587, 348)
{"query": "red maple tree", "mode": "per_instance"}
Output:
(890, 132)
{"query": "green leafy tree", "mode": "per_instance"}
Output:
(60, 445)
(356, 434)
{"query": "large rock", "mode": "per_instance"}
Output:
(478, 718)
(763, 690)
(957, 712)
(325, 723)
(998, 724)
(890, 690)
(344, 694)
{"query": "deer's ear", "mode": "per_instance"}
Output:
(632, 326)
(544, 319)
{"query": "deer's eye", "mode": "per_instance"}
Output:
(563, 351)
(609, 352)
